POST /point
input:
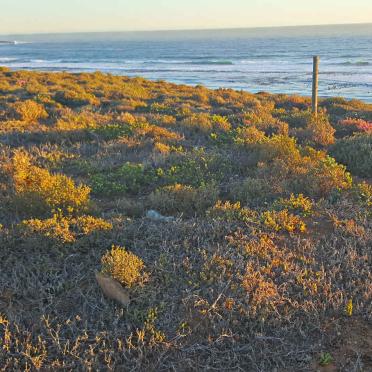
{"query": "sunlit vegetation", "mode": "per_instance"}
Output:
(122, 265)
(259, 254)
(298, 204)
(62, 228)
(29, 111)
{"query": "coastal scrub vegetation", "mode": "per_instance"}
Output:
(259, 257)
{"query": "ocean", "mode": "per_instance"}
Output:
(276, 60)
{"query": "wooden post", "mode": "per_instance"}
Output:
(315, 85)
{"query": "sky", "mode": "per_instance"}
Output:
(49, 16)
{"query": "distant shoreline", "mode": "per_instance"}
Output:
(252, 91)
(340, 26)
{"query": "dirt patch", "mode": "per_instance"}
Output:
(352, 348)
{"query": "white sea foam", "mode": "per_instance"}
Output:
(7, 59)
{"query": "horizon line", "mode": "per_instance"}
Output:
(186, 29)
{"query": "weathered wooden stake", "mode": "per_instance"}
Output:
(315, 85)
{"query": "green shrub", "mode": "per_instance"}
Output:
(196, 168)
(324, 176)
(183, 199)
(297, 119)
(129, 178)
(356, 153)
(113, 131)
(251, 191)
(308, 127)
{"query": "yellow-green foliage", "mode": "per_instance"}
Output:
(39, 189)
(122, 265)
(263, 120)
(88, 224)
(19, 126)
(206, 123)
(56, 227)
(299, 204)
(127, 118)
(53, 156)
(65, 229)
(320, 131)
(29, 111)
(279, 147)
(362, 192)
(162, 148)
(289, 167)
(325, 176)
(249, 135)
(76, 98)
(231, 212)
(283, 220)
(71, 121)
(157, 133)
(349, 308)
